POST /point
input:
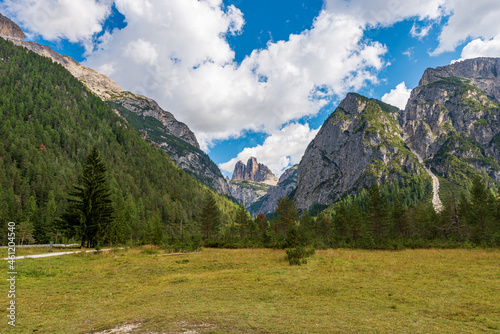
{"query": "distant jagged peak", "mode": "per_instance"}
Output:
(9, 29)
(254, 171)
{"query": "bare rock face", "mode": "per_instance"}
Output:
(482, 73)
(453, 119)
(247, 192)
(10, 29)
(144, 106)
(254, 171)
(269, 202)
(360, 143)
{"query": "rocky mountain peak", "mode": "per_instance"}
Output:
(254, 171)
(353, 103)
(452, 119)
(10, 29)
(360, 143)
(483, 73)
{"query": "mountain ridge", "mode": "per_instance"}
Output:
(196, 162)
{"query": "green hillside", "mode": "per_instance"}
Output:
(49, 124)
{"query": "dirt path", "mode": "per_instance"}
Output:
(57, 254)
(436, 201)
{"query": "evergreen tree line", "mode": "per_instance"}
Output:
(373, 221)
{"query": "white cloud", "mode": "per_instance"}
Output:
(469, 19)
(283, 148)
(420, 32)
(398, 96)
(192, 72)
(75, 20)
(482, 48)
(176, 52)
(142, 52)
(385, 13)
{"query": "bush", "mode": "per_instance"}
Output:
(149, 251)
(298, 255)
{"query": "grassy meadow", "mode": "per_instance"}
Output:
(257, 291)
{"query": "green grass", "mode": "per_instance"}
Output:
(257, 291)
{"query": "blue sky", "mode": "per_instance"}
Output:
(259, 77)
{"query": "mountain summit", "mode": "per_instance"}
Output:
(254, 171)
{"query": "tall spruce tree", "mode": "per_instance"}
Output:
(90, 211)
(242, 219)
(376, 218)
(287, 213)
(210, 217)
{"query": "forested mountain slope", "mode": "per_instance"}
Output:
(143, 113)
(50, 122)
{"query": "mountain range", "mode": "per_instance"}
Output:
(448, 132)
(449, 127)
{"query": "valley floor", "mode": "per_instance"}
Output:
(257, 291)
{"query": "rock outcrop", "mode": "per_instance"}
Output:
(269, 202)
(254, 171)
(360, 143)
(251, 181)
(161, 127)
(143, 106)
(247, 192)
(9, 29)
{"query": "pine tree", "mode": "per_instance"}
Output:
(210, 217)
(27, 226)
(399, 219)
(479, 212)
(376, 218)
(287, 214)
(90, 211)
(355, 219)
(242, 220)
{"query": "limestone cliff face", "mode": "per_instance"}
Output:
(160, 126)
(482, 73)
(453, 118)
(361, 142)
(247, 192)
(254, 171)
(269, 202)
(143, 106)
(10, 29)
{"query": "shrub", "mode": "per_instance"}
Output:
(298, 255)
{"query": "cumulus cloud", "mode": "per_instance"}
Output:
(75, 20)
(398, 96)
(280, 150)
(177, 53)
(469, 19)
(482, 48)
